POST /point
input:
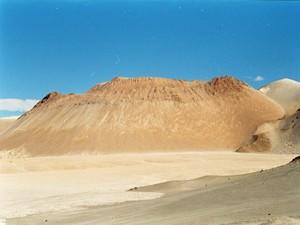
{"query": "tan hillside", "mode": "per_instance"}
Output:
(282, 136)
(144, 114)
(5, 123)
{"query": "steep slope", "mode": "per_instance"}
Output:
(270, 197)
(143, 114)
(281, 136)
(5, 123)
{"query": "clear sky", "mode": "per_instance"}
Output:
(70, 45)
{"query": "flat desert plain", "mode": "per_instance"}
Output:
(51, 190)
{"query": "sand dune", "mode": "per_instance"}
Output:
(143, 114)
(265, 197)
(282, 136)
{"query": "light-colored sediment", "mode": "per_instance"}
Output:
(269, 197)
(5, 123)
(69, 184)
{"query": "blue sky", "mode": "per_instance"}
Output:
(69, 45)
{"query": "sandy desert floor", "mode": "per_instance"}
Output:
(42, 185)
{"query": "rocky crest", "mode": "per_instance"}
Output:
(50, 97)
(225, 84)
(163, 89)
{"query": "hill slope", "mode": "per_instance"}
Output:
(281, 136)
(143, 114)
(5, 123)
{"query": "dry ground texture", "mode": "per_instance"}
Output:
(70, 185)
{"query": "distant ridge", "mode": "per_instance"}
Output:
(286, 92)
(143, 114)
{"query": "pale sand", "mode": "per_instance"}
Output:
(70, 183)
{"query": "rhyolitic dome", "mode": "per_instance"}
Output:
(143, 114)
